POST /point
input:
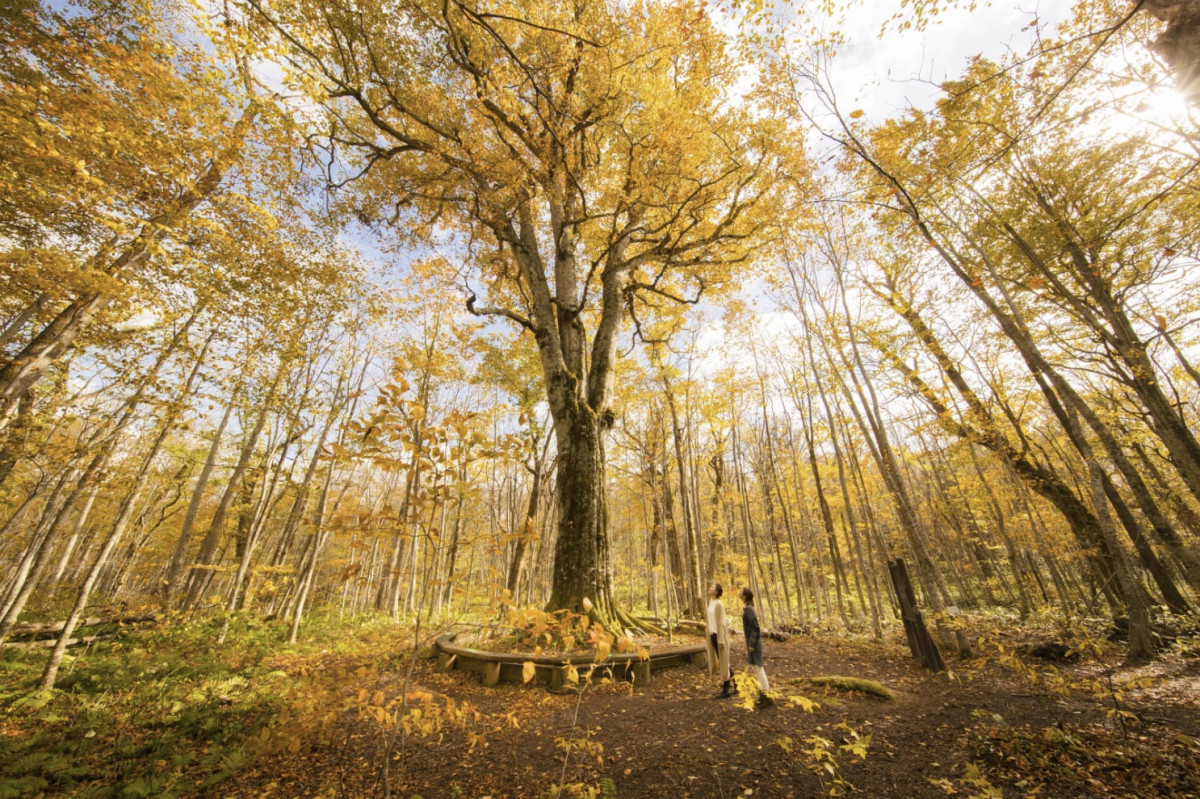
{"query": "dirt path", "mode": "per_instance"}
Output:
(674, 738)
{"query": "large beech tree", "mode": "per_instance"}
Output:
(586, 158)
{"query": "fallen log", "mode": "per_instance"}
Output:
(40, 628)
(47, 643)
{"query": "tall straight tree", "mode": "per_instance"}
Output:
(587, 158)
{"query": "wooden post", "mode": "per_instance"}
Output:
(491, 674)
(641, 672)
(558, 678)
(920, 643)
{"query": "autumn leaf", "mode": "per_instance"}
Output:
(603, 648)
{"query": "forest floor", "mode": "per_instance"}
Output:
(994, 726)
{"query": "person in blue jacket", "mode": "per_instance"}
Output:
(754, 652)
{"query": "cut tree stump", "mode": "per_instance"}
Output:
(920, 643)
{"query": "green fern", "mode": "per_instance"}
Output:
(13, 787)
(38, 762)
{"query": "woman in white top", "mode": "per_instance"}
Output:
(717, 640)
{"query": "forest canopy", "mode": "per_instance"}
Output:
(331, 330)
(429, 309)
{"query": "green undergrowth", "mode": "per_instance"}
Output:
(166, 711)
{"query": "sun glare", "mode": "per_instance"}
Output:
(1158, 108)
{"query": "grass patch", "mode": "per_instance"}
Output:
(857, 684)
(163, 711)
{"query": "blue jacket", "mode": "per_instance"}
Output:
(753, 636)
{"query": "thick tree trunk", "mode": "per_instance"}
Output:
(582, 565)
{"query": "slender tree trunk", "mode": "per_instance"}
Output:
(189, 520)
(716, 532)
(872, 428)
(37, 555)
(455, 536)
(22, 318)
(27, 367)
(124, 513)
(1089, 526)
(692, 567)
(827, 520)
(851, 522)
(1014, 558)
(680, 584)
(15, 433)
(528, 529)
(73, 539)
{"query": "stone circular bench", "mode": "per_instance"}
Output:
(553, 670)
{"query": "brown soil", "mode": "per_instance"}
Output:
(675, 738)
